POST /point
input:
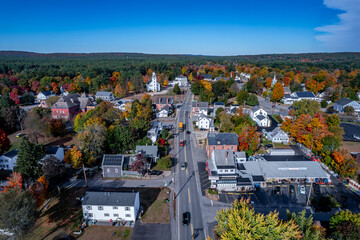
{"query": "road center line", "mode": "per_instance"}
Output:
(189, 194)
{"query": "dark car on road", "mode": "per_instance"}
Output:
(277, 190)
(186, 218)
(155, 172)
(188, 132)
(316, 188)
(269, 145)
(291, 188)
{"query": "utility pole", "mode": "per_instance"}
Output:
(85, 175)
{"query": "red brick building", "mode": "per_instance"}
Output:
(221, 141)
(164, 101)
(67, 107)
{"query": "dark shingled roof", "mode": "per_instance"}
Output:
(51, 150)
(260, 117)
(222, 139)
(12, 153)
(109, 198)
(286, 158)
(219, 103)
(343, 101)
(258, 178)
(67, 102)
(305, 94)
(207, 76)
(46, 93)
(200, 104)
(103, 93)
(112, 159)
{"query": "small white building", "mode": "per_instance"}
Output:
(164, 112)
(182, 81)
(204, 122)
(345, 102)
(105, 96)
(278, 136)
(153, 85)
(121, 104)
(8, 160)
(111, 206)
(260, 116)
(273, 81)
(155, 130)
(44, 95)
(244, 77)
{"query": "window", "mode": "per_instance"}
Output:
(90, 215)
(127, 208)
(127, 215)
(116, 170)
(106, 215)
(115, 207)
(226, 170)
(213, 147)
(88, 207)
(223, 147)
(100, 208)
(108, 170)
(116, 215)
(85, 214)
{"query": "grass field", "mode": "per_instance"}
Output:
(158, 211)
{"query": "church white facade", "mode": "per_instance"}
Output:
(153, 85)
(274, 81)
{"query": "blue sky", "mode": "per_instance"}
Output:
(181, 27)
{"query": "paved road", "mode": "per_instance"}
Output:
(186, 185)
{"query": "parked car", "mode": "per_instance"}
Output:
(186, 218)
(155, 172)
(277, 190)
(20, 135)
(269, 145)
(316, 188)
(183, 166)
(188, 132)
(291, 188)
(301, 190)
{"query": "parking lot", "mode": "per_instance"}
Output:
(204, 177)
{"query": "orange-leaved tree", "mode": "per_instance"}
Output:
(277, 93)
(268, 82)
(14, 182)
(74, 156)
(343, 163)
(249, 138)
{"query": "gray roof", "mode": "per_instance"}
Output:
(260, 117)
(219, 104)
(240, 154)
(200, 104)
(219, 78)
(12, 153)
(51, 150)
(283, 169)
(224, 158)
(112, 159)
(164, 100)
(103, 93)
(67, 102)
(343, 101)
(254, 109)
(109, 198)
(287, 89)
(305, 94)
(207, 76)
(222, 139)
(166, 108)
(276, 131)
(46, 93)
(151, 151)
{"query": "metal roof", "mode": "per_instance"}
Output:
(12, 153)
(103, 93)
(305, 94)
(343, 101)
(281, 169)
(109, 198)
(222, 138)
(224, 158)
(112, 159)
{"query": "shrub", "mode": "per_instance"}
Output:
(212, 191)
(164, 162)
(323, 104)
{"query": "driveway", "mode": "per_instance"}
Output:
(151, 231)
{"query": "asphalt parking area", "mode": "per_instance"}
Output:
(203, 177)
(150, 231)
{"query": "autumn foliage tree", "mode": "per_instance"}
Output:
(343, 163)
(14, 182)
(74, 156)
(268, 82)
(249, 138)
(277, 93)
(4, 142)
(242, 222)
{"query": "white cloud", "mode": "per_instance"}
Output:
(344, 35)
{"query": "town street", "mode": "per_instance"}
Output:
(187, 192)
